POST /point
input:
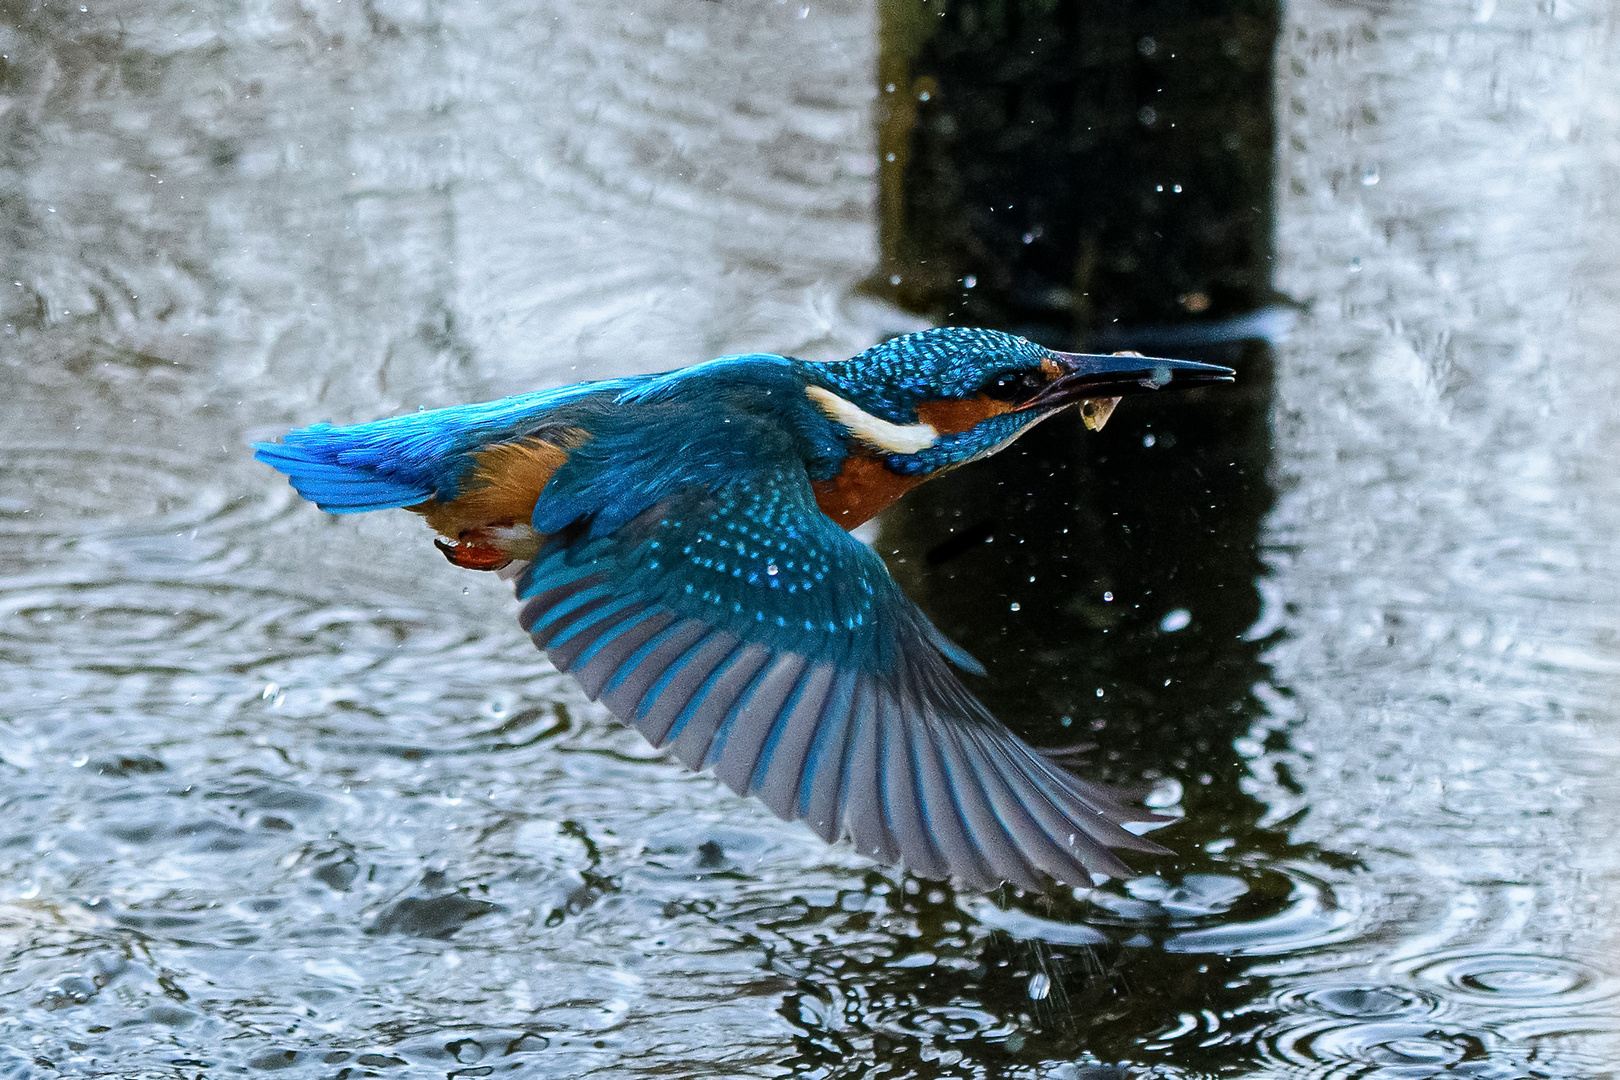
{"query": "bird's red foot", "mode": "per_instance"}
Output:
(471, 555)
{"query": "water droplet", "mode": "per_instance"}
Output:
(970, 281)
(1040, 984)
(1108, 597)
(1167, 792)
(771, 570)
(1014, 606)
(1370, 177)
(1148, 115)
(1149, 439)
(1147, 46)
(1099, 691)
(1178, 619)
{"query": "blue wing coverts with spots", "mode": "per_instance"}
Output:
(738, 626)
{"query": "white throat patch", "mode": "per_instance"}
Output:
(874, 431)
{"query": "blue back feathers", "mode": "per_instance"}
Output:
(684, 429)
(698, 429)
(405, 460)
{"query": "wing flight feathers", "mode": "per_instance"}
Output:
(750, 635)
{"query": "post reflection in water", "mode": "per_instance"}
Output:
(1100, 176)
(284, 794)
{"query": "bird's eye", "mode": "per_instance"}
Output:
(1013, 385)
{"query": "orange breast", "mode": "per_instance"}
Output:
(866, 487)
(953, 417)
(861, 490)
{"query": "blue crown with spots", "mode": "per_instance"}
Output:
(949, 362)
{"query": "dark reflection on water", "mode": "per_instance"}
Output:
(284, 794)
(1073, 165)
(1093, 173)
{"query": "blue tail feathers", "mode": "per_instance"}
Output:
(332, 469)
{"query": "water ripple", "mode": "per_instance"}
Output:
(53, 484)
(1360, 1002)
(1516, 981)
(1284, 908)
(1339, 1051)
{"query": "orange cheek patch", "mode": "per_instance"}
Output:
(952, 417)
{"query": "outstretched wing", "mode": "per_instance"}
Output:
(739, 627)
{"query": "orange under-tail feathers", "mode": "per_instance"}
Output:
(487, 525)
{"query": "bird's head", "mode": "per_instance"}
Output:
(939, 398)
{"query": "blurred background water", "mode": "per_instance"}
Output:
(284, 793)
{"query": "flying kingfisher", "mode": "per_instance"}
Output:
(680, 542)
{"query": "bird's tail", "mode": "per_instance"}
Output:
(407, 460)
(346, 470)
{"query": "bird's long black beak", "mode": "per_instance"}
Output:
(1091, 375)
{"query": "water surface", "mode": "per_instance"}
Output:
(286, 793)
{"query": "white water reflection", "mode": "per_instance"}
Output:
(1443, 544)
(283, 798)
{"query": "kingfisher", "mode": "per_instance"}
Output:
(680, 544)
